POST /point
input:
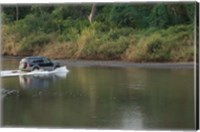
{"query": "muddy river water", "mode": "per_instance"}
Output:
(100, 97)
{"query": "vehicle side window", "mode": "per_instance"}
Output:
(46, 60)
(38, 61)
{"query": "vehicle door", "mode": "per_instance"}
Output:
(39, 62)
(47, 64)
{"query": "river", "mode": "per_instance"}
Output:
(101, 97)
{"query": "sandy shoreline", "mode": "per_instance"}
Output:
(124, 64)
(118, 63)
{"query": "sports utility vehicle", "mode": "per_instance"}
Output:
(37, 63)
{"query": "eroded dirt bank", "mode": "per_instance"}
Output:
(117, 63)
(87, 63)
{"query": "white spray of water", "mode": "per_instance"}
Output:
(9, 73)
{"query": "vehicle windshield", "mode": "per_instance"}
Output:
(47, 60)
(23, 60)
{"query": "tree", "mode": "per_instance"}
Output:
(123, 15)
(92, 13)
(17, 12)
(160, 16)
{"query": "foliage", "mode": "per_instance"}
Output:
(173, 44)
(129, 31)
(35, 40)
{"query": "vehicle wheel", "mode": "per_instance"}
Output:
(35, 69)
(56, 67)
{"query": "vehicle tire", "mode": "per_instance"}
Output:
(35, 68)
(56, 67)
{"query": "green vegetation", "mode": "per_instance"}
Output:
(132, 32)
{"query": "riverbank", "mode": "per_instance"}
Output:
(125, 64)
(116, 63)
(173, 44)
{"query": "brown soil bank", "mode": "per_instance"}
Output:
(123, 64)
(117, 63)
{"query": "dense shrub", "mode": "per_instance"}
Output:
(134, 32)
(173, 44)
(33, 41)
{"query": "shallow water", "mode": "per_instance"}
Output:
(100, 98)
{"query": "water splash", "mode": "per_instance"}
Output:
(61, 71)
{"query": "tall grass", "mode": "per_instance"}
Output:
(173, 44)
(153, 44)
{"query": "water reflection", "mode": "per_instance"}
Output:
(40, 81)
(30, 85)
(106, 98)
(132, 118)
